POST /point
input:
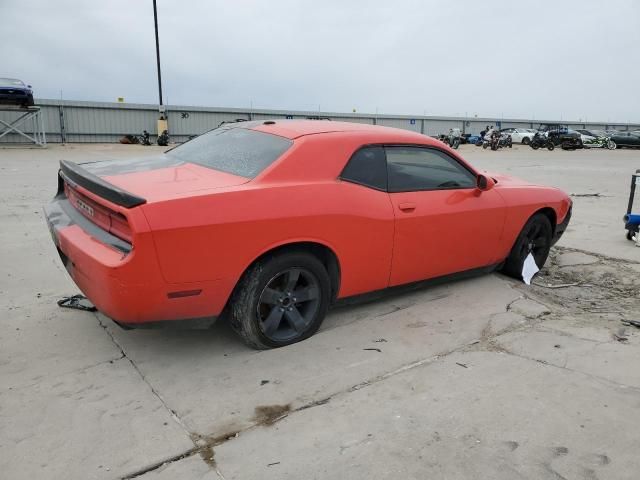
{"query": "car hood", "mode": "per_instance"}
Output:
(503, 180)
(162, 177)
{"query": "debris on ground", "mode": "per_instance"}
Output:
(620, 338)
(373, 349)
(78, 302)
(529, 269)
(561, 285)
(631, 323)
(606, 290)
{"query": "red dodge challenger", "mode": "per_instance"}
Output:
(268, 223)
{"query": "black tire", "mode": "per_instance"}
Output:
(535, 146)
(484, 145)
(29, 102)
(629, 235)
(526, 141)
(550, 146)
(535, 238)
(264, 310)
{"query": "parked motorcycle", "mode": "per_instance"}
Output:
(600, 142)
(144, 138)
(540, 140)
(163, 139)
(493, 142)
(505, 141)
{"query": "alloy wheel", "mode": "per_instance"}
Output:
(288, 304)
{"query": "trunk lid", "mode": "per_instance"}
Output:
(158, 178)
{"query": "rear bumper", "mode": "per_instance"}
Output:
(561, 227)
(125, 283)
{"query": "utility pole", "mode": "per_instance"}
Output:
(155, 22)
(162, 121)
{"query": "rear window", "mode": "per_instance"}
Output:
(238, 151)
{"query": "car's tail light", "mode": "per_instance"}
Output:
(120, 227)
(113, 222)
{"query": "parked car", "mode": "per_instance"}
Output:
(15, 92)
(268, 223)
(560, 135)
(591, 133)
(584, 137)
(626, 139)
(520, 135)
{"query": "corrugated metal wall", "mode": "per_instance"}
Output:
(108, 122)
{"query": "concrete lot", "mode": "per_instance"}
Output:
(481, 378)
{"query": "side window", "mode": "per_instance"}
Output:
(367, 167)
(415, 168)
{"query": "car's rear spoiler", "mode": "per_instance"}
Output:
(75, 174)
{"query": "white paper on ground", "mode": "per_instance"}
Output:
(529, 269)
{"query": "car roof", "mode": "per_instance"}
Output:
(293, 129)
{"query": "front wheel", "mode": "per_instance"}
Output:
(456, 144)
(550, 146)
(534, 239)
(611, 145)
(280, 300)
(484, 145)
(535, 145)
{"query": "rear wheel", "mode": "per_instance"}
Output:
(526, 141)
(611, 145)
(280, 300)
(534, 239)
(550, 146)
(535, 146)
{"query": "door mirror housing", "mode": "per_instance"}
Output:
(484, 183)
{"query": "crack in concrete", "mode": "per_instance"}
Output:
(142, 376)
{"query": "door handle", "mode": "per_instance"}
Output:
(407, 206)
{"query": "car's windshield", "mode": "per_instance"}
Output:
(238, 151)
(10, 82)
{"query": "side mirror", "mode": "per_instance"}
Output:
(484, 183)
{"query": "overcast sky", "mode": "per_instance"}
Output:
(547, 59)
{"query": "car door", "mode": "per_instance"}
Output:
(621, 139)
(516, 136)
(443, 223)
